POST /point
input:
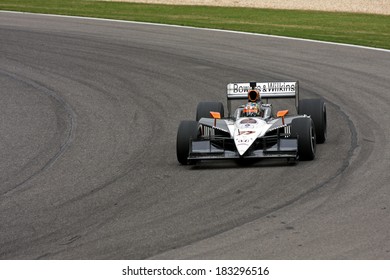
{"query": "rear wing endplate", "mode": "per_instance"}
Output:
(268, 90)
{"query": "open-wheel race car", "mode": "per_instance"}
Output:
(253, 130)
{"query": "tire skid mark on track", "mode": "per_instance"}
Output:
(94, 222)
(70, 119)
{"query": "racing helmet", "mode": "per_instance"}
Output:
(251, 110)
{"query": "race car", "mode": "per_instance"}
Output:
(254, 131)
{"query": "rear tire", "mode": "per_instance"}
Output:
(316, 109)
(204, 108)
(187, 130)
(303, 129)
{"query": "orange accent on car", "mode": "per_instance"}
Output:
(215, 115)
(250, 110)
(282, 114)
(253, 95)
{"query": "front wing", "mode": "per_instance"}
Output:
(207, 149)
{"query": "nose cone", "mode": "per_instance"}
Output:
(243, 140)
(247, 131)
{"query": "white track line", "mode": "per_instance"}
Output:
(200, 28)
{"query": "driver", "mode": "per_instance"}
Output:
(252, 108)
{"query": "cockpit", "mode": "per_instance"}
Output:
(265, 112)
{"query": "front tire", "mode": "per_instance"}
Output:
(316, 109)
(187, 130)
(303, 129)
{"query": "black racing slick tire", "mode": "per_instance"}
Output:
(187, 130)
(316, 109)
(204, 108)
(303, 129)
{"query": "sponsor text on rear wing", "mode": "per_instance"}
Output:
(268, 90)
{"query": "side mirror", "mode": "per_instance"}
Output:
(282, 114)
(215, 116)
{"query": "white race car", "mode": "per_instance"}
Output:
(253, 133)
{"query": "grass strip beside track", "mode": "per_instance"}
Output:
(359, 29)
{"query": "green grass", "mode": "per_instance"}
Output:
(359, 29)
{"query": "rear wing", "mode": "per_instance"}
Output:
(268, 90)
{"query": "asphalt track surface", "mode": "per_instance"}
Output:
(89, 113)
